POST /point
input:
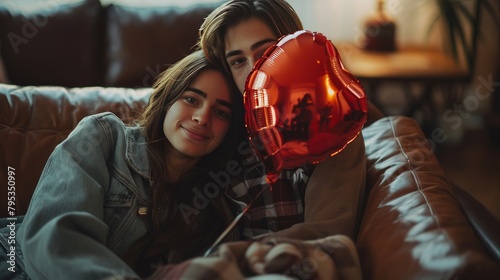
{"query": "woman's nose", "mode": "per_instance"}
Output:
(202, 116)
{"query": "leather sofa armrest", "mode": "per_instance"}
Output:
(485, 224)
(413, 226)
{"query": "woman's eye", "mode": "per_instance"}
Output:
(223, 114)
(190, 100)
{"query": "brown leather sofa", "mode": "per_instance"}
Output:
(77, 43)
(86, 58)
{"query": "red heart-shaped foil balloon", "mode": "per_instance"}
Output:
(301, 104)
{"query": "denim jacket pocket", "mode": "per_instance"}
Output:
(119, 212)
(119, 200)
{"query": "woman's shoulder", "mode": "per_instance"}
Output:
(106, 123)
(107, 120)
(107, 117)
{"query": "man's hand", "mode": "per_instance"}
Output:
(333, 257)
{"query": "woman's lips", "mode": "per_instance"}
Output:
(195, 135)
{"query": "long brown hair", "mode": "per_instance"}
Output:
(171, 238)
(279, 16)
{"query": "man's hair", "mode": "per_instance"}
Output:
(279, 16)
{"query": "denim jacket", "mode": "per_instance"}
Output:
(95, 205)
(104, 185)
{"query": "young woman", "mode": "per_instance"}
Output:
(235, 36)
(117, 200)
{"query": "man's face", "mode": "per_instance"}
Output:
(245, 44)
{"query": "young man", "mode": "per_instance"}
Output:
(304, 203)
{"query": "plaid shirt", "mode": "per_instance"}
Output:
(277, 208)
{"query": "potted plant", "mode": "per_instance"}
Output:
(461, 17)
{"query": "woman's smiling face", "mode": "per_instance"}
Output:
(198, 121)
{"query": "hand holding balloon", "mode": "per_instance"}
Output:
(301, 104)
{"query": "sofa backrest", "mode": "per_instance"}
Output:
(49, 43)
(76, 43)
(34, 120)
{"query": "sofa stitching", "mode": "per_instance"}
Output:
(412, 171)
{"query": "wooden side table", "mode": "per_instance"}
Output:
(408, 65)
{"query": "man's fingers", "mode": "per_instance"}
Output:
(255, 255)
(281, 258)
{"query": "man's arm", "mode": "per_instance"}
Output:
(334, 196)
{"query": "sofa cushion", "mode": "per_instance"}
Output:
(33, 120)
(412, 217)
(51, 42)
(143, 41)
